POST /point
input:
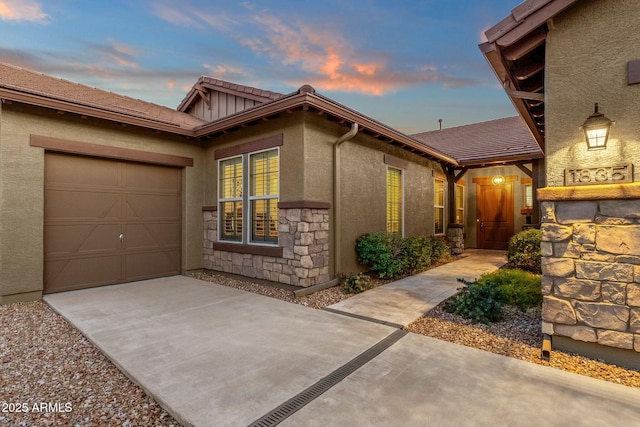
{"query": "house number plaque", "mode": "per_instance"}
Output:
(599, 175)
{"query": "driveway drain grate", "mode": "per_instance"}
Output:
(297, 402)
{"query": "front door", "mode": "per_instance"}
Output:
(494, 218)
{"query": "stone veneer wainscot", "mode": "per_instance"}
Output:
(303, 243)
(591, 264)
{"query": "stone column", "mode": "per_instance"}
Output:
(591, 267)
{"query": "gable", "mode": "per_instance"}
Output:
(211, 99)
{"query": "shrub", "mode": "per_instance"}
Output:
(439, 248)
(517, 287)
(476, 301)
(417, 253)
(524, 251)
(355, 284)
(390, 255)
(381, 252)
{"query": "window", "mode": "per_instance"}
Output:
(264, 197)
(459, 194)
(438, 204)
(394, 201)
(260, 193)
(528, 196)
(230, 197)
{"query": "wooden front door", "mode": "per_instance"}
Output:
(494, 217)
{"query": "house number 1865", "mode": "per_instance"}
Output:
(599, 175)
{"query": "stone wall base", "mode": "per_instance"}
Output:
(455, 239)
(303, 235)
(612, 355)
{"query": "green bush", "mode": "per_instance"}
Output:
(381, 252)
(417, 253)
(476, 301)
(390, 255)
(517, 287)
(355, 284)
(524, 251)
(439, 248)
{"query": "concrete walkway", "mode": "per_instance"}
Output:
(217, 356)
(405, 300)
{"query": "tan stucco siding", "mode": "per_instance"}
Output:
(292, 170)
(364, 193)
(22, 191)
(586, 62)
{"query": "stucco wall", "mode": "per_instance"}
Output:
(292, 172)
(587, 51)
(306, 173)
(22, 191)
(363, 184)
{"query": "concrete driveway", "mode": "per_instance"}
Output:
(217, 356)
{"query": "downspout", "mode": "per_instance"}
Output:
(337, 208)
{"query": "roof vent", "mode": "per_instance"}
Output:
(440, 121)
(306, 89)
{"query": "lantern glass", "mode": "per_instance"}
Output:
(596, 130)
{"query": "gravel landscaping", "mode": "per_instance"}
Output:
(50, 375)
(45, 361)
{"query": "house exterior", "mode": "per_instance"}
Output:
(494, 181)
(109, 189)
(556, 59)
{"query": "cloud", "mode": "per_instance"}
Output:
(120, 54)
(226, 72)
(331, 63)
(22, 10)
(189, 16)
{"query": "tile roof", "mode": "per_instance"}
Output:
(41, 88)
(494, 141)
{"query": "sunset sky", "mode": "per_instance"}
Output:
(404, 63)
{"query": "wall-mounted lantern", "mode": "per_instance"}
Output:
(497, 180)
(596, 130)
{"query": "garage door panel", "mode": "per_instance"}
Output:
(153, 206)
(153, 178)
(86, 211)
(74, 205)
(66, 240)
(145, 265)
(80, 273)
(161, 235)
(63, 169)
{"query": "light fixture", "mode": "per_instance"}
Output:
(596, 130)
(497, 180)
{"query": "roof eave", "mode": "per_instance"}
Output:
(92, 111)
(501, 161)
(307, 99)
(491, 54)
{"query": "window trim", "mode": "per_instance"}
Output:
(233, 199)
(401, 221)
(251, 198)
(462, 189)
(246, 200)
(443, 206)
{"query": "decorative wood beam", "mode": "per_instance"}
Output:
(524, 169)
(459, 175)
(206, 96)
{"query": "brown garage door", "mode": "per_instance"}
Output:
(109, 221)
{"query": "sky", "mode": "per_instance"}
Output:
(404, 63)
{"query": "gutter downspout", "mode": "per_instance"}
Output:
(337, 208)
